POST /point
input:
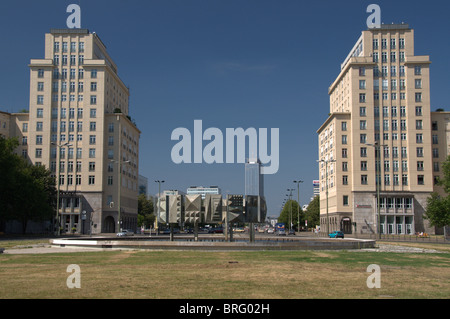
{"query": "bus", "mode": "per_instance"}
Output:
(280, 226)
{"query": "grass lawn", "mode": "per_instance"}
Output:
(226, 275)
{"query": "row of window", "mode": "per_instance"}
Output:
(64, 47)
(72, 87)
(387, 180)
(393, 69)
(385, 111)
(393, 96)
(64, 113)
(393, 44)
(395, 153)
(55, 97)
(385, 84)
(395, 166)
(65, 59)
(62, 127)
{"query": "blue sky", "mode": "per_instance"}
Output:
(233, 63)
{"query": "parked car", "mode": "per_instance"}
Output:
(125, 232)
(215, 230)
(291, 232)
(271, 231)
(281, 232)
(336, 234)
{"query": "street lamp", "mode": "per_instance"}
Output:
(298, 199)
(326, 190)
(377, 148)
(159, 195)
(119, 162)
(58, 231)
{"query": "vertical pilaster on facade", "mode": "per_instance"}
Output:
(380, 102)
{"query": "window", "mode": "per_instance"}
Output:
(93, 86)
(419, 138)
(92, 139)
(91, 180)
(387, 166)
(39, 126)
(387, 180)
(418, 110)
(40, 99)
(418, 83)
(81, 47)
(38, 140)
(364, 179)
(38, 152)
(362, 125)
(344, 139)
(417, 70)
(419, 125)
(435, 139)
(436, 166)
(363, 165)
(435, 153)
(344, 180)
(78, 180)
(362, 98)
(362, 84)
(393, 56)
(344, 166)
(395, 180)
(344, 153)
(405, 179)
(404, 152)
(404, 165)
(419, 151)
(40, 113)
(420, 179)
(363, 138)
(110, 180)
(92, 153)
(418, 97)
(93, 113)
(345, 200)
(92, 126)
(111, 127)
(363, 151)
(434, 126)
(343, 126)
(93, 99)
(420, 165)
(93, 73)
(91, 166)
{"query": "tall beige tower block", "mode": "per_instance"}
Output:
(381, 100)
(78, 126)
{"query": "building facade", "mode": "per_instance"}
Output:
(380, 131)
(78, 127)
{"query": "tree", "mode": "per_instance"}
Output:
(312, 214)
(285, 215)
(145, 211)
(27, 192)
(438, 207)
